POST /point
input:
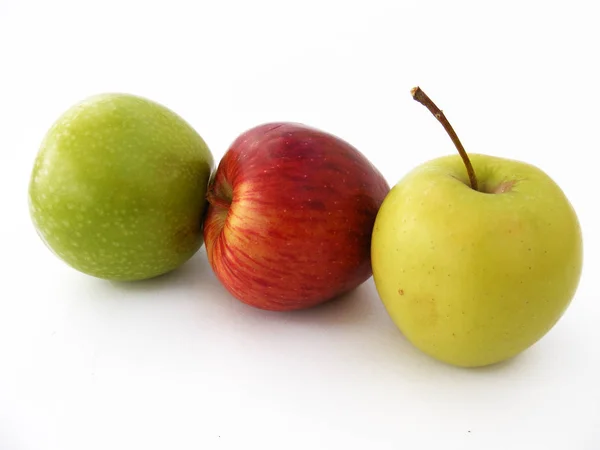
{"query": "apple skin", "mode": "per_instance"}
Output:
(291, 216)
(118, 188)
(474, 278)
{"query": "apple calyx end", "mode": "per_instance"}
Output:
(217, 201)
(219, 193)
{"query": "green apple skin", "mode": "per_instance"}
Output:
(118, 188)
(473, 278)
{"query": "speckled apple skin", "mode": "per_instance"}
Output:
(118, 188)
(473, 278)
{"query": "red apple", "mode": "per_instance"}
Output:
(290, 217)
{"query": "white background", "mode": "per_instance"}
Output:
(176, 363)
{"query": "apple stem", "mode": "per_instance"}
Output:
(424, 99)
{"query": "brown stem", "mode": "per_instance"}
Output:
(422, 98)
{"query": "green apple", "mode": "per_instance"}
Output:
(475, 258)
(118, 188)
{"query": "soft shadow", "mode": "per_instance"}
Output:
(502, 366)
(358, 315)
(359, 307)
(180, 275)
(194, 276)
(511, 365)
(361, 312)
(350, 308)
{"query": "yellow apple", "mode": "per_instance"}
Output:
(471, 276)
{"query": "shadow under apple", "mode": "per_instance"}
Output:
(194, 275)
(360, 316)
(357, 316)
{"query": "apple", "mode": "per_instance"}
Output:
(290, 216)
(118, 188)
(475, 258)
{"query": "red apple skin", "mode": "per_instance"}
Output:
(290, 217)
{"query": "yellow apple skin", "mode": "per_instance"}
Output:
(473, 278)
